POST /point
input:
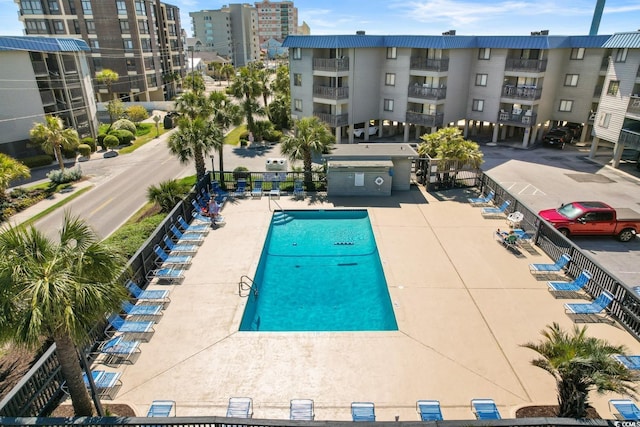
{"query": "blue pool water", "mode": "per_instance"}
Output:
(319, 271)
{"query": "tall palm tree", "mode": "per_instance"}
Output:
(246, 87)
(579, 365)
(193, 104)
(52, 137)
(225, 114)
(264, 80)
(311, 136)
(10, 169)
(195, 139)
(227, 69)
(58, 290)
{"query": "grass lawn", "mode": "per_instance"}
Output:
(233, 137)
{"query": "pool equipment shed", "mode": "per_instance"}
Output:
(369, 169)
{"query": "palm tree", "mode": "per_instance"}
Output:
(195, 82)
(166, 194)
(53, 137)
(580, 364)
(58, 291)
(10, 169)
(246, 87)
(225, 114)
(194, 139)
(311, 136)
(192, 105)
(264, 77)
(227, 69)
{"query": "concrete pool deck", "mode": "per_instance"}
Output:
(464, 304)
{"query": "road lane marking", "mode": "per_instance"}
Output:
(100, 207)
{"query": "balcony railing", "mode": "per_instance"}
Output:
(630, 139)
(425, 119)
(333, 120)
(331, 64)
(634, 105)
(329, 92)
(427, 92)
(521, 92)
(421, 63)
(521, 118)
(535, 65)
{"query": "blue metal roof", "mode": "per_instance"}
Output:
(622, 40)
(446, 41)
(42, 44)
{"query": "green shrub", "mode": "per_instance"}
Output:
(240, 173)
(39, 160)
(144, 128)
(273, 136)
(244, 135)
(124, 136)
(124, 124)
(84, 150)
(66, 175)
(69, 153)
(128, 238)
(137, 113)
(100, 139)
(110, 142)
(90, 142)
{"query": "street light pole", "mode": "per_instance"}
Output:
(213, 175)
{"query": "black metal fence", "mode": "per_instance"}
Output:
(229, 180)
(444, 174)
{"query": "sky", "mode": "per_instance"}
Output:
(425, 17)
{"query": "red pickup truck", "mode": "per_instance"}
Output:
(593, 219)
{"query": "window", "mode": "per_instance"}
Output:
(76, 27)
(127, 44)
(124, 26)
(297, 104)
(604, 120)
(571, 80)
(577, 53)
(58, 27)
(297, 79)
(146, 45)
(86, 7)
(481, 79)
(477, 105)
(152, 81)
(31, 7)
(94, 44)
(143, 27)
(388, 105)
(297, 54)
(91, 26)
(121, 5)
(140, 10)
(565, 105)
(614, 85)
(131, 64)
(54, 7)
(621, 55)
(484, 53)
(392, 53)
(390, 79)
(97, 64)
(36, 26)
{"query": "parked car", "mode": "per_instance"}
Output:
(558, 137)
(359, 133)
(593, 219)
(575, 128)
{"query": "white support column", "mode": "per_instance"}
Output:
(465, 132)
(405, 137)
(525, 137)
(503, 134)
(338, 132)
(494, 137)
(594, 147)
(584, 134)
(350, 132)
(418, 128)
(617, 154)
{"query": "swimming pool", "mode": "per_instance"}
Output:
(319, 271)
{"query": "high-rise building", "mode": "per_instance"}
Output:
(276, 20)
(138, 39)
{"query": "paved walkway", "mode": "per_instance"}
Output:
(464, 305)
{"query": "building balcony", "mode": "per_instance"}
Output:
(630, 139)
(47, 97)
(333, 120)
(421, 63)
(425, 92)
(40, 68)
(521, 92)
(634, 105)
(331, 64)
(329, 92)
(517, 117)
(422, 119)
(530, 65)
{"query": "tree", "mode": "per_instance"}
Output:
(195, 82)
(108, 78)
(192, 105)
(280, 111)
(137, 113)
(227, 69)
(280, 84)
(580, 364)
(53, 137)
(10, 169)
(246, 87)
(311, 136)
(225, 114)
(115, 108)
(194, 139)
(263, 76)
(58, 291)
(166, 194)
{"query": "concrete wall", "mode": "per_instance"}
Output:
(341, 182)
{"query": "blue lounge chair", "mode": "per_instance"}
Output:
(117, 351)
(485, 409)
(301, 409)
(363, 411)
(240, 407)
(142, 310)
(107, 383)
(217, 190)
(625, 409)
(162, 408)
(192, 228)
(197, 206)
(574, 286)
(256, 191)
(176, 249)
(159, 295)
(164, 259)
(499, 211)
(275, 189)
(298, 190)
(482, 200)
(631, 362)
(186, 238)
(429, 410)
(551, 268)
(130, 326)
(241, 188)
(595, 307)
(167, 274)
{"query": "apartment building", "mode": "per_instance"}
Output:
(617, 120)
(139, 39)
(499, 87)
(230, 31)
(276, 20)
(43, 76)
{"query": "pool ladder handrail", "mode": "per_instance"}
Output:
(244, 286)
(277, 204)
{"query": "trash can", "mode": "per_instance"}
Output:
(168, 121)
